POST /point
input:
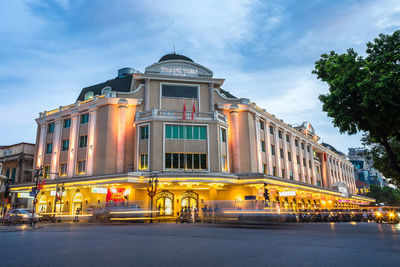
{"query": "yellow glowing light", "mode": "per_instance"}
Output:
(133, 212)
(391, 214)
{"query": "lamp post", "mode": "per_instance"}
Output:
(152, 191)
(35, 191)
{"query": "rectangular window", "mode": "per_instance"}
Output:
(281, 153)
(65, 145)
(262, 125)
(280, 134)
(308, 149)
(175, 131)
(67, 123)
(309, 163)
(189, 132)
(185, 161)
(196, 161)
(181, 161)
(223, 135)
(271, 130)
(63, 169)
(175, 161)
(186, 132)
(272, 150)
(298, 159)
(85, 118)
(82, 167)
(196, 132)
(296, 142)
(262, 146)
(50, 127)
(175, 90)
(203, 133)
(144, 132)
(189, 161)
(144, 159)
(83, 141)
(49, 148)
(291, 175)
(46, 173)
(287, 138)
(181, 135)
(8, 172)
(289, 156)
(168, 160)
(265, 168)
(274, 171)
(302, 146)
(283, 173)
(203, 161)
(168, 131)
(304, 162)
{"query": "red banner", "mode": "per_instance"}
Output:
(115, 194)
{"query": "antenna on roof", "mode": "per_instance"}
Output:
(173, 44)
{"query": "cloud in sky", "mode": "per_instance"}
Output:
(264, 49)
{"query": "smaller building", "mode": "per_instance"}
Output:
(365, 173)
(16, 164)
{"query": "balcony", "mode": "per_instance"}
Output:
(156, 114)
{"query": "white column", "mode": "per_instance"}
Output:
(121, 138)
(258, 146)
(294, 159)
(56, 149)
(41, 145)
(277, 153)
(285, 155)
(307, 157)
(268, 149)
(73, 144)
(313, 172)
(91, 142)
(303, 171)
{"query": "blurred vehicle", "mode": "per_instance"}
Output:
(386, 214)
(15, 216)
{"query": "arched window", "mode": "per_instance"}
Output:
(165, 203)
(89, 95)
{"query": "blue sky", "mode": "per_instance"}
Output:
(265, 49)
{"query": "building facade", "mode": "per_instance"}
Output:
(365, 173)
(16, 164)
(176, 123)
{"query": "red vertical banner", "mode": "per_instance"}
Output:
(324, 156)
(193, 109)
(184, 112)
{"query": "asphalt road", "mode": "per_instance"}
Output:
(340, 244)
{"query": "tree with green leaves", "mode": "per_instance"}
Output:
(364, 96)
(385, 195)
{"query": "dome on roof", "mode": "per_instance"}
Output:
(174, 56)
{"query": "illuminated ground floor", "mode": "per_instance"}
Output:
(172, 194)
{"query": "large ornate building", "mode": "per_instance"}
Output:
(176, 123)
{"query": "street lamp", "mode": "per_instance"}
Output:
(152, 191)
